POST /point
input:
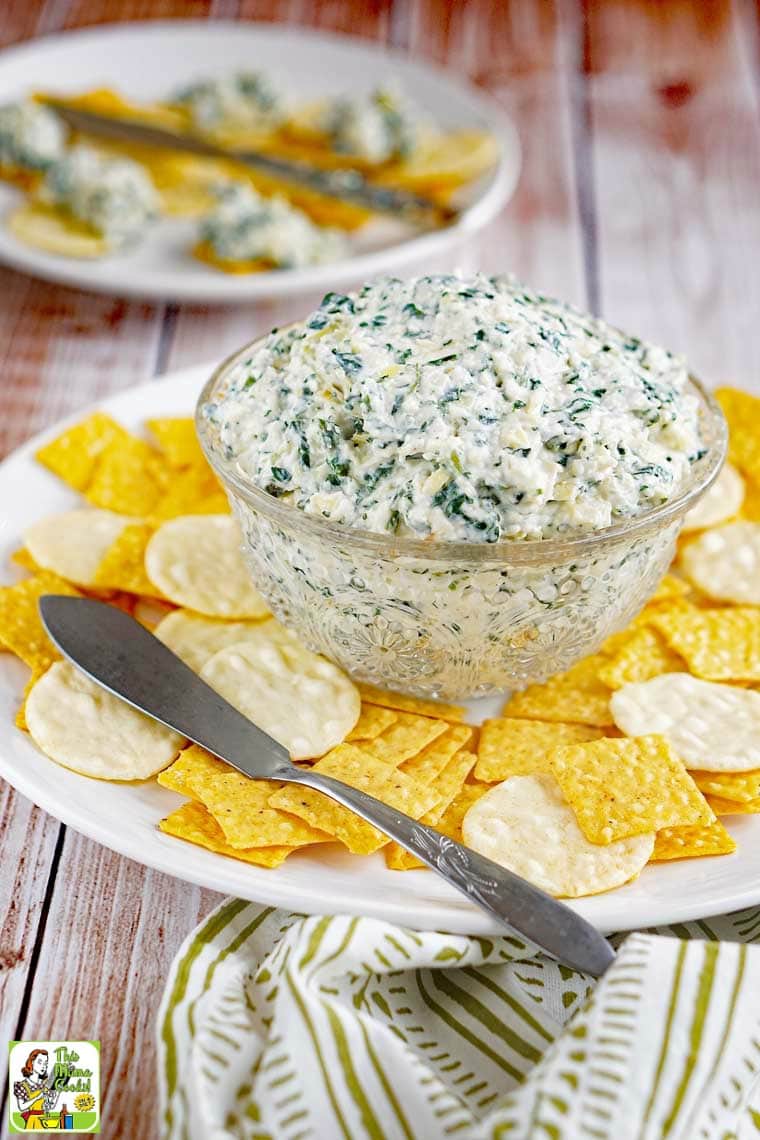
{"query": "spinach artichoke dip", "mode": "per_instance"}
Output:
(379, 127)
(31, 137)
(243, 99)
(244, 226)
(115, 197)
(460, 409)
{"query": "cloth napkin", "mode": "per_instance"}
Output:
(283, 1026)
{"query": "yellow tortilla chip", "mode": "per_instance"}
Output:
(734, 807)
(449, 824)
(196, 492)
(386, 700)
(193, 823)
(646, 654)
(177, 439)
(23, 557)
(511, 746)
(205, 252)
(742, 786)
(620, 788)
(670, 587)
(73, 455)
(435, 757)
(751, 505)
(407, 736)
(717, 644)
(129, 478)
(356, 766)
(450, 784)
(576, 697)
(742, 411)
(241, 808)
(692, 842)
(123, 565)
(189, 772)
(372, 721)
(21, 628)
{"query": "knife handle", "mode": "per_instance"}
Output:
(526, 909)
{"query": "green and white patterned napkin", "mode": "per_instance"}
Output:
(277, 1025)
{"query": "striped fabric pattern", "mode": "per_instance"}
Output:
(283, 1026)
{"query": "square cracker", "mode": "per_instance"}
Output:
(644, 655)
(129, 477)
(631, 786)
(406, 737)
(403, 703)
(74, 455)
(123, 564)
(242, 809)
(671, 586)
(372, 721)
(434, 757)
(359, 768)
(239, 805)
(736, 786)
(177, 438)
(692, 842)
(742, 411)
(576, 696)
(450, 784)
(21, 628)
(190, 770)
(717, 644)
(192, 822)
(733, 807)
(511, 746)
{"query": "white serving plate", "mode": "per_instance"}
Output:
(124, 816)
(148, 60)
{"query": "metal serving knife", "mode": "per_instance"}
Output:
(346, 184)
(125, 658)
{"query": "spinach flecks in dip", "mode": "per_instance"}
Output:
(31, 136)
(114, 196)
(462, 409)
(245, 226)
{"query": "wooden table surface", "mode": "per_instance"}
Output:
(639, 197)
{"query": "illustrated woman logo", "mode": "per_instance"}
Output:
(33, 1094)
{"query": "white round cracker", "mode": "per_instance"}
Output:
(300, 699)
(195, 561)
(73, 544)
(525, 824)
(725, 563)
(715, 728)
(721, 502)
(196, 638)
(78, 724)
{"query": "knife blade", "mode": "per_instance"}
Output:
(346, 184)
(118, 653)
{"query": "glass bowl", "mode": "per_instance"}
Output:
(452, 619)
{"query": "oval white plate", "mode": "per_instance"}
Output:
(148, 60)
(124, 816)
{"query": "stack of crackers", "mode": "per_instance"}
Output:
(637, 749)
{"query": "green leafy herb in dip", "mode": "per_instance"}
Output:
(114, 196)
(244, 226)
(31, 136)
(244, 99)
(378, 127)
(470, 409)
